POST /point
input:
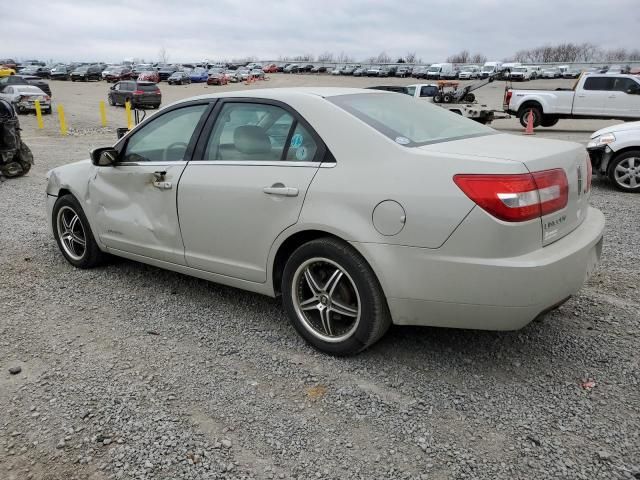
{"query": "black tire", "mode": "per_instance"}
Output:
(48, 111)
(549, 121)
(447, 98)
(469, 98)
(629, 161)
(437, 98)
(111, 100)
(523, 116)
(360, 283)
(91, 254)
(128, 99)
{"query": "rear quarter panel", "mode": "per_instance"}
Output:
(558, 102)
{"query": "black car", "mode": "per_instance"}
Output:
(318, 69)
(166, 72)
(25, 80)
(36, 71)
(179, 78)
(140, 94)
(87, 73)
(60, 72)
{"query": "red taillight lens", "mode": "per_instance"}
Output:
(517, 198)
(507, 97)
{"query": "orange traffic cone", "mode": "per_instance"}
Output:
(529, 129)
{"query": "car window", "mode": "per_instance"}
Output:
(598, 83)
(428, 91)
(249, 132)
(302, 147)
(164, 138)
(623, 84)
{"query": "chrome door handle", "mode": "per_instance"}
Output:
(163, 185)
(283, 191)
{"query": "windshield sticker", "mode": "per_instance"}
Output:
(403, 140)
(296, 140)
(301, 154)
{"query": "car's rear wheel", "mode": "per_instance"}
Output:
(333, 298)
(624, 171)
(73, 234)
(111, 101)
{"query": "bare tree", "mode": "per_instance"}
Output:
(325, 57)
(163, 55)
(383, 58)
(462, 57)
(478, 58)
(410, 57)
(344, 58)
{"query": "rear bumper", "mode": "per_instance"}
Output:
(427, 287)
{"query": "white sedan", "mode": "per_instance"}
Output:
(615, 154)
(24, 97)
(360, 208)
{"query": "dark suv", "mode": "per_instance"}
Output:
(87, 73)
(140, 94)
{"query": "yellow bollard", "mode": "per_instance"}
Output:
(39, 114)
(63, 122)
(127, 107)
(103, 114)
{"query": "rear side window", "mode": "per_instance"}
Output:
(624, 84)
(599, 83)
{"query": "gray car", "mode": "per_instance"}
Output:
(359, 208)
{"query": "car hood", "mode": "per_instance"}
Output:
(621, 127)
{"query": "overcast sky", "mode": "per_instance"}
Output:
(194, 30)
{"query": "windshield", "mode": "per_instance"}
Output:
(411, 91)
(408, 121)
(82, 69)
(519, 69)
(468, 69)
(434, 69)
(487, 68)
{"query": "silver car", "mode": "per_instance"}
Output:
(360, 208)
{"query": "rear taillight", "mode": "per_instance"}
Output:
(138, 92)
(507, 97)
(519, 197)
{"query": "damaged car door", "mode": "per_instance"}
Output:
(134, 200)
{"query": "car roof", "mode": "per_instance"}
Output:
(287, 94)
(281, 93)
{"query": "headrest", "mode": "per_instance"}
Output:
(251, 139)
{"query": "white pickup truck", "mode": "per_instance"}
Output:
(593, 96)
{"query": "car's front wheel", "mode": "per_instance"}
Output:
(333, 298)
(73, 234)
(624, 171)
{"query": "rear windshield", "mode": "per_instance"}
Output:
(409, 121)
(147, 87)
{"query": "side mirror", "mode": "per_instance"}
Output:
(112, 87)
(634, 90)
(104, 157)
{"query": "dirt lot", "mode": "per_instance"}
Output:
(130, 372)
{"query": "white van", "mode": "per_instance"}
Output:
(490, 68)
(441, 71)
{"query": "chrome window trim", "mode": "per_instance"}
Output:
(151, 164)
(257, 163)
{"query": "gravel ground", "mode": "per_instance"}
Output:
(131, 372)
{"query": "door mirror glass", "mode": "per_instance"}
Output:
(104, 157)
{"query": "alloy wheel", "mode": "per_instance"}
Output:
(326, 299)
(71, 233)
(627, 172)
